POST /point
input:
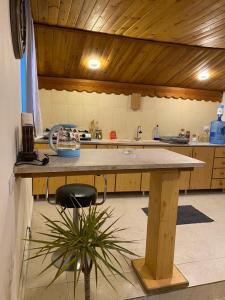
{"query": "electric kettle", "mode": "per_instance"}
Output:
(68, 140)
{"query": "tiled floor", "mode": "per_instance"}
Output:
(199, 252)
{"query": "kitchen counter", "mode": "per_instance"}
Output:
(93, 161)
(156, 271)
(130, 142)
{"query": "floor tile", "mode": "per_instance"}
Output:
(199, 251)
(54, 292)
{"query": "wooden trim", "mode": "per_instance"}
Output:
(109, 87)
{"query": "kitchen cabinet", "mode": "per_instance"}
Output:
(218, 177)
(201, 177)
(184, 181)
(129, 182)
(111, 178)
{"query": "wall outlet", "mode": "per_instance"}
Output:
(11, 183)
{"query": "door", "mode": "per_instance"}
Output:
(201, 177)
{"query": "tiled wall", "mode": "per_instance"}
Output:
(114, 112)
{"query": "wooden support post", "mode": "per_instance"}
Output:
(157, 271)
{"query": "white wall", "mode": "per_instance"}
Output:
(113, 112)
(15, 197)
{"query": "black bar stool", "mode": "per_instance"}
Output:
(77, 196)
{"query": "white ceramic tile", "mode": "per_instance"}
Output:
(35, 279)
(122, 289)
(205, 271)
(54, 292)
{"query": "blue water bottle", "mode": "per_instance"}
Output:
(217, 129)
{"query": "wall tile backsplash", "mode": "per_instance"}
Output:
(113, 112)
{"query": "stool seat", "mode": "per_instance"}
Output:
(85, 195)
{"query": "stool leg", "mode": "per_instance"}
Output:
(76, 216)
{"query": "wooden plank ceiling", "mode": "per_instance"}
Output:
(144, 42)
(192, 22)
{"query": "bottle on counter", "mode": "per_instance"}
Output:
(204, 136)
(155, 133)
(188, 134)
(98, 134)
(217, 129)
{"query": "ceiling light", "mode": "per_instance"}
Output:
(94, 63)
(204, 75)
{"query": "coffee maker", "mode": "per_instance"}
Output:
(27, 154)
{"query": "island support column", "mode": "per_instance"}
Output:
(156, 271)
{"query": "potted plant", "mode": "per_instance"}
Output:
(91, 244)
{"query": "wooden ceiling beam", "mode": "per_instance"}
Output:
(109, 87)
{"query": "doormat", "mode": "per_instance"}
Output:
(187, 214)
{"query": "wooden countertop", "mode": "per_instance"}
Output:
(100, 161)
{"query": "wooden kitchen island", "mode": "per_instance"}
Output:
(156, 270)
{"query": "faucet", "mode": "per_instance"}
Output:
(138, 133)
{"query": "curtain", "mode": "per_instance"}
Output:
(33, 103)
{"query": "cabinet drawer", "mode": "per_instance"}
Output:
(218, 184)
(219, 173)
(220, 152)
(219, 162)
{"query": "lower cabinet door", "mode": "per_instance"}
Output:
(87, 179)
(39, 186)
(54, 183)
(201, 177)
(129, 182)
(99, 183)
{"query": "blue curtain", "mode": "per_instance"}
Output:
(23, 82)
(33, 103)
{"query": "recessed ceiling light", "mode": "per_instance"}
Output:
(94, 63)
(204, 75)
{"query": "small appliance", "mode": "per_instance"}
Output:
(174, 140)
(28, 156)
(68, 140)
(27, 153)
(84, 135)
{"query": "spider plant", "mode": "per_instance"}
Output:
(90, 244)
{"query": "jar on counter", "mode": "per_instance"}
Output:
(194, 138)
